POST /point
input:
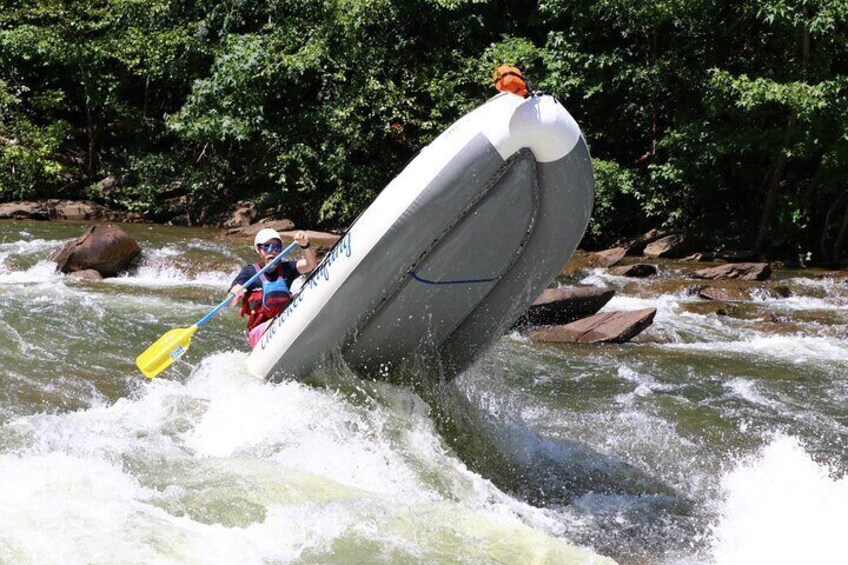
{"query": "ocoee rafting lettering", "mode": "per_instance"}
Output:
(321, 274)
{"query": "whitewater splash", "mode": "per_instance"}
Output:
(224, 468)
(782, 508)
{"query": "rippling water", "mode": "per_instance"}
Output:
(710, 439)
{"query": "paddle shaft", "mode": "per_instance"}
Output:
(247, 283)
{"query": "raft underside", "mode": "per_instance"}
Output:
(459, 266)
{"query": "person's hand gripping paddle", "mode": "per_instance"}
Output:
(173, 344)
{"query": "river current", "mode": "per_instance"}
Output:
(708, 439)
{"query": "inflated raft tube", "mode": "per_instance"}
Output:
(451, 253)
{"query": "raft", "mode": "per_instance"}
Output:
(450, 253)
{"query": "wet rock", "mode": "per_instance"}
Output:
(740, 294)
(741, 271)
(637, 270)
(566, 304)
(86, 275)
(700, 256)
(105, 248)
(637, 246)
(611, 327)
(253, 229)
(242, 216)
(724, 294)
(608, 257)
(705, 308)
(780, 291)
(670, 246)
(56, 210)
(580, 261)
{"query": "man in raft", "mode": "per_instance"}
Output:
(267, 297)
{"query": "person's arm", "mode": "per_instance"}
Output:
(238, 289)
(310, 260)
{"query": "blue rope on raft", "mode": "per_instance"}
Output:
(466, 281)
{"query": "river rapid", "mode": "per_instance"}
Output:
(708, 439)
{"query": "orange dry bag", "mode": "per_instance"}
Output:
(509, 79)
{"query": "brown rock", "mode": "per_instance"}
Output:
(86, 275)
(741, 271)
(609, 257)
(705, 308)
(243, 215)
(614, 327)
(55, 210)
(637, 270)
(637, 246)
(104, 248)
(566, 304)
(725, 294)
(253, 229)
(739, 294)
(670, 246)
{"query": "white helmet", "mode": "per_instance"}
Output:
(265, 235)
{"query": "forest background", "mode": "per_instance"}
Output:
(724, 119)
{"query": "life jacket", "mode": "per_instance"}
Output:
(266, 302)
(510, 79)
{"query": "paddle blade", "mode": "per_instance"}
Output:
(165, 351)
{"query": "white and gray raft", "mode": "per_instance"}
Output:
(451, 253)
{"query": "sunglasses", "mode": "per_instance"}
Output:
(271, 247)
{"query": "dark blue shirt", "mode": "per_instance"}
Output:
(287, 269)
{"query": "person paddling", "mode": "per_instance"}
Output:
(267, 297)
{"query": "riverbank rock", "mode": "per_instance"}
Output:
(105, 248)
(564, 305)
(56, 210)
(611, 327)
(637, 270)
(668, 247)
(252, 229)
(637, 246)
(608, 257)
(242, 216)
(741, 271)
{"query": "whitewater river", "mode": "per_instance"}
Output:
(709, 439)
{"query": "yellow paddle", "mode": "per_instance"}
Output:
(173, 344)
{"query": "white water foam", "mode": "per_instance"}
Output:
(42, 273)
(789, 348)
(158, 270)
(162, 276)
(225, 468)
(782, 508)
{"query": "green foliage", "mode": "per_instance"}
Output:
(713, 117)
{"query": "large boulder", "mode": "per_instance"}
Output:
(613, 327)
(105, 248)
(566, 304)
(741, 271)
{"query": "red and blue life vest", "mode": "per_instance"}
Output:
(266, 302)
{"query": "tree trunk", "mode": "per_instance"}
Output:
(770, 204)
(840, 239)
